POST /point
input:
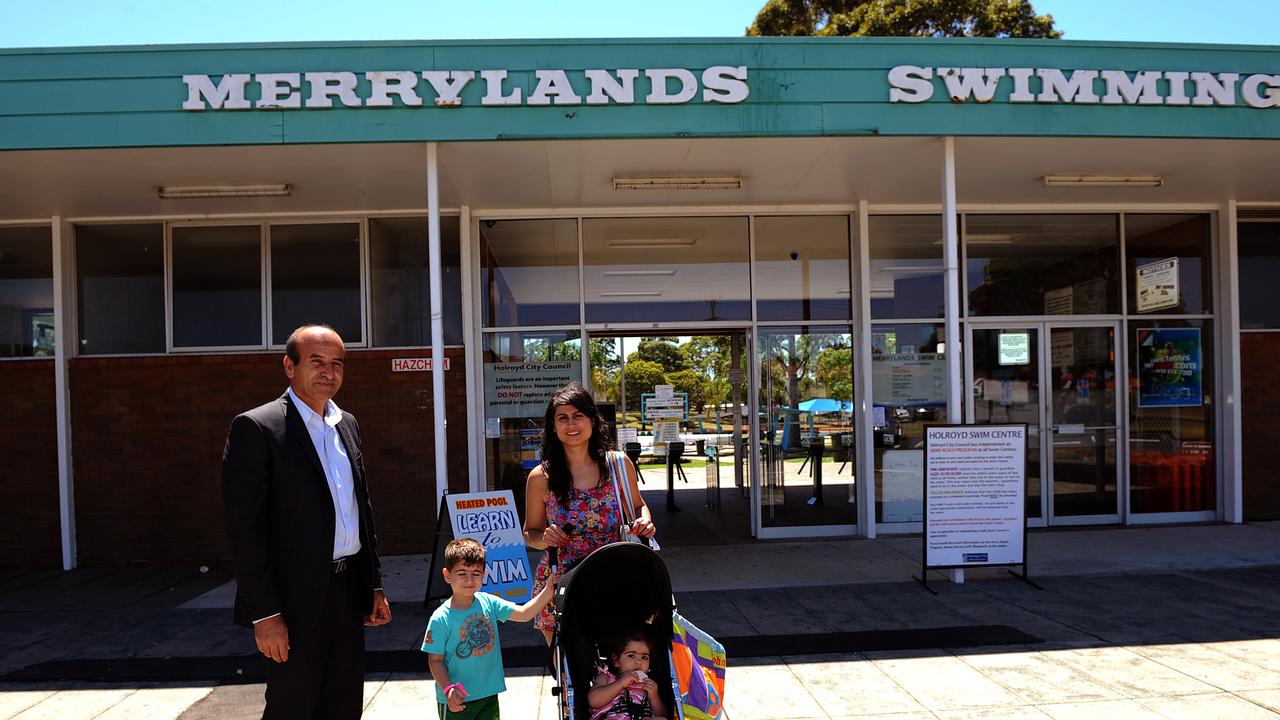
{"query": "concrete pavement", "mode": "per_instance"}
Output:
(1169, 622)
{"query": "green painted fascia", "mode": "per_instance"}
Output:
(132, 96)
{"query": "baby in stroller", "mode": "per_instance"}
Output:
(622, 689)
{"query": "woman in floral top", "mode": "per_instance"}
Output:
(570, 502)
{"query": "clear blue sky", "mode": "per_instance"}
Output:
(41, 23)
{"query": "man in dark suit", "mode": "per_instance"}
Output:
(302, 539)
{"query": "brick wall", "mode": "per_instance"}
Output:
(30, 530)
(148, 434)
(1260, 416)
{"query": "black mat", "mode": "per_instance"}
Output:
(248, 668)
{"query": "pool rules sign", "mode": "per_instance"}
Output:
(975, 496)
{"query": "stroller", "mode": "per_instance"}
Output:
(619, 585)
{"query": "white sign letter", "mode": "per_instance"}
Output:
(279, 91)
(908, 83)
(553, 82)
(980, 83)
(658, 78)
(1253, 98)
(400, 82)
(1141, 89)
(1213, 89)
(725, 84)
(1055, 85)
(493, 96)
(1177, 88)
(229, 93)
(605, 86)
(1021, 85)
(324, 84)
(448, 84)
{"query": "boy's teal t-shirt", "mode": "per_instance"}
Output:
(468, 640)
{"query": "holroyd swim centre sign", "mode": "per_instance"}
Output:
(281, 91)
(915, 84)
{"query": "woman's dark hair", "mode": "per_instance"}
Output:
(559, 477)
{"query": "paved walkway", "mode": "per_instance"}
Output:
(1172, 622)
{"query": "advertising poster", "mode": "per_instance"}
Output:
(1169, 367)
(975, 480)
(521, 390)
(491, 519)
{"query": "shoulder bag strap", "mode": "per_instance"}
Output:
(618, 475)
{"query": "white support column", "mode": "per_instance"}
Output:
(1228, 328)
(64, 344)
(475, 420)
(865, 447)
(951, 286)
(437, 321)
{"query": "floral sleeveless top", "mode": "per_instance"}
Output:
(595, 517)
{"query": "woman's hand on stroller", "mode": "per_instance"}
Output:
(555, 536)
(643, 527)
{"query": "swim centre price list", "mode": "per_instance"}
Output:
(975, 495)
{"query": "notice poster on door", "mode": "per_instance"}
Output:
(975, 481)
(521, 390)
(1169, 367)
(1157, 285)
(909, 378)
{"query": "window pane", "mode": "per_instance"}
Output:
(666, 269)
(1171, 447)
(529, 272)
(26, 292)
(908, 390)
(400, 314)
(1259, 248)
(906, 266)
(120, 273)
(217, 286)
(804, 266)
(521, 370)
(1151, 241)
(315, 278)
(1042, 264)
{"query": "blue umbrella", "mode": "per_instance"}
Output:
(823, 405)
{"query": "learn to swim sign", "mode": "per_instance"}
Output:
(491, 519)
(975, 480)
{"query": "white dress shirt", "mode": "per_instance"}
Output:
(337, 471)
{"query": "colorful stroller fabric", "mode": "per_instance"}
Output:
(699, 662)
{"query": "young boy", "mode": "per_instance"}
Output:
(461, 643)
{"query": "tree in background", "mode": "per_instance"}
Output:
(835, 372)
(660, 350)
(642, 375)
(692, 382)
(904, 18)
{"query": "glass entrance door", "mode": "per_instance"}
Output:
(691, 448)
(1060, 379)
(806, 433)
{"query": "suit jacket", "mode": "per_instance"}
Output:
(280, 517)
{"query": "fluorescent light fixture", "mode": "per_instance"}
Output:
(1103, 180)
(629, 273)
(172, 192)
(709, 182)
(843, 291)
(647, 243)
(631, 293)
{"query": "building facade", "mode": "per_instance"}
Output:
(1074, 235)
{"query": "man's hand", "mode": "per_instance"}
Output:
(272, 637)
(381, 614)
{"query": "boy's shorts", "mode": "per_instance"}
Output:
(485, 708)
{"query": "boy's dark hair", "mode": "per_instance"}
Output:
(463, 551)
(618, 641)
